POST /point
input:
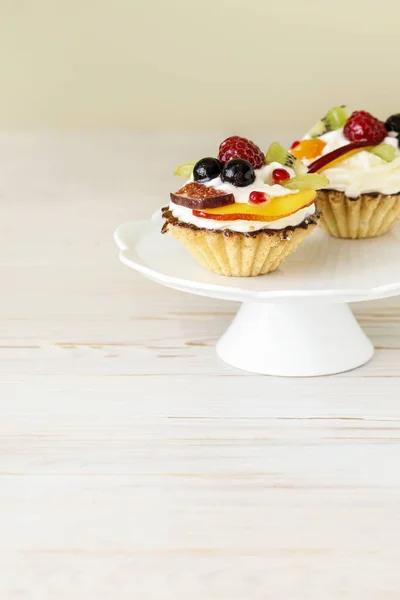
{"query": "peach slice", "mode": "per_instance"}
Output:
(308, 149)
(278, 208)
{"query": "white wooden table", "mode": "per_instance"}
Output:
(134, 464)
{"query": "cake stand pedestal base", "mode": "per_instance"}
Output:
(295, 339)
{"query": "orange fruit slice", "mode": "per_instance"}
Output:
(308, 149)
(278, 208)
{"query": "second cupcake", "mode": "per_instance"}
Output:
(360, 157)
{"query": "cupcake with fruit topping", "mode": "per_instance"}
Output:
(360, 156)
(243, 213)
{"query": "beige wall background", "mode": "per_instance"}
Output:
(195, 64)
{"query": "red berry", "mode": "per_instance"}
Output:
(296, 143)
(363, 127)
(238, 147)
(258, 198)
(279, 175)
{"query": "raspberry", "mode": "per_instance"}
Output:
(363, 127)
(238, 147)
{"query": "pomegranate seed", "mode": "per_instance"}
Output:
(258, 197)
(296, 143)
(279, 175)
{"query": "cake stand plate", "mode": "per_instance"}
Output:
(293, 322)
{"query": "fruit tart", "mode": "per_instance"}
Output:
(242, 213)
(359, 154)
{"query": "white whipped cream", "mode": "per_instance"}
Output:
(363, 172)
(241, 226)
(262, 183)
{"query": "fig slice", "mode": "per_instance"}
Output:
(197, 196)
(340, 153)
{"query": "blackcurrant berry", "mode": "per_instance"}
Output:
(393, 123)
(206, 169)
(239, 172)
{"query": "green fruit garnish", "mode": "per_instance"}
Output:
(335, 118)
(277, 153)
(185, 170)
(312, 181)
(385, 151)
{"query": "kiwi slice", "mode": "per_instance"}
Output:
(277, 153)
(335, 118)
(385, 151)
(185, 170)
(312, 181)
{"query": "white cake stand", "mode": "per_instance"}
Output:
(294, 322)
